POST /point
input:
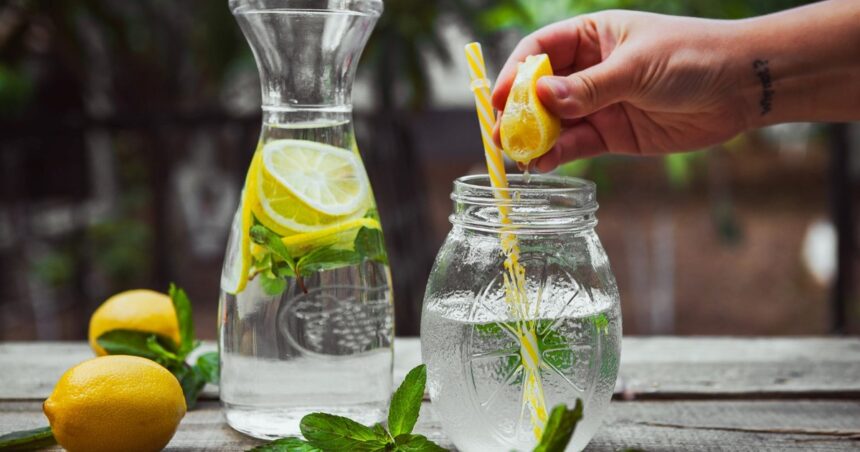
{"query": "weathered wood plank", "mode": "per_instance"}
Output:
(774, 425)
(29, 370)
(654, 367)
(672, 367)
(761, 425)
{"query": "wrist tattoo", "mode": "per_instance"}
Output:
(763, 72)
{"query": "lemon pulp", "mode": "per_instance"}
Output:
(527, 129)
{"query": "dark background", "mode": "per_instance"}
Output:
(126, 128)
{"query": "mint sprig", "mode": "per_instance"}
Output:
(559, 428)
(370, 244)
(192, 378)
(326, 258)
(327, 432)
(128, 342)
(552, 346)
(416, 443)
(209, 366)
(330, 432)
(406, 402)
(36, 438)
(276, 264)
(286, 445)
(182, 306)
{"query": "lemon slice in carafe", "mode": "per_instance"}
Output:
(306, 186)
(237, 260)
(327, 179)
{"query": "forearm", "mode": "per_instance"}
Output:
(801, 65)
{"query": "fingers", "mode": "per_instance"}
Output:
(559, 41)
(585, 92)
(580, 141)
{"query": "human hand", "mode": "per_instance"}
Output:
(638, 83)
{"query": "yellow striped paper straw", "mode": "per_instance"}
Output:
(515, 295)
(481, 89)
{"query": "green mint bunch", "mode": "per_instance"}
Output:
(326, 432)
(164, 351)
(275, 265)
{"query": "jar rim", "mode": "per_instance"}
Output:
(531, 184)
(537, 204)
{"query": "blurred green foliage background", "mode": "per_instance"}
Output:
(153, 73)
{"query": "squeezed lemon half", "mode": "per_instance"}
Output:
(527, 129)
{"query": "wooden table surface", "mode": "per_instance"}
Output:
(691, 394)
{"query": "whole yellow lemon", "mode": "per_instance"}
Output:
(139, 310)
(115, 403)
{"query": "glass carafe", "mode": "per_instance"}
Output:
(500, 358)
(305, 315)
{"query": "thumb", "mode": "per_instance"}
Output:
(585, 92)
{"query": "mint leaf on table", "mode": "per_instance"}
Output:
(369, 243)
(330, 432)
(137, 343)
(326, 258)
(380, 432)
(290, 444)
(165, 356)
(192, 381)
(406, 402)
(327, 432)
(182, 306)
(559, 428)
(209, 366)
(416, 443)
(33, 439)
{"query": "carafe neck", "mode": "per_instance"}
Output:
(306, 53)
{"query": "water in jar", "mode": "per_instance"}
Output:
(475, 378)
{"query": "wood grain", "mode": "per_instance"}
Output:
(776, 425)
(702, 367)
(721, 394)
(659, 367)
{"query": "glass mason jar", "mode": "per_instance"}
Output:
(501, 354)
(305, 315)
